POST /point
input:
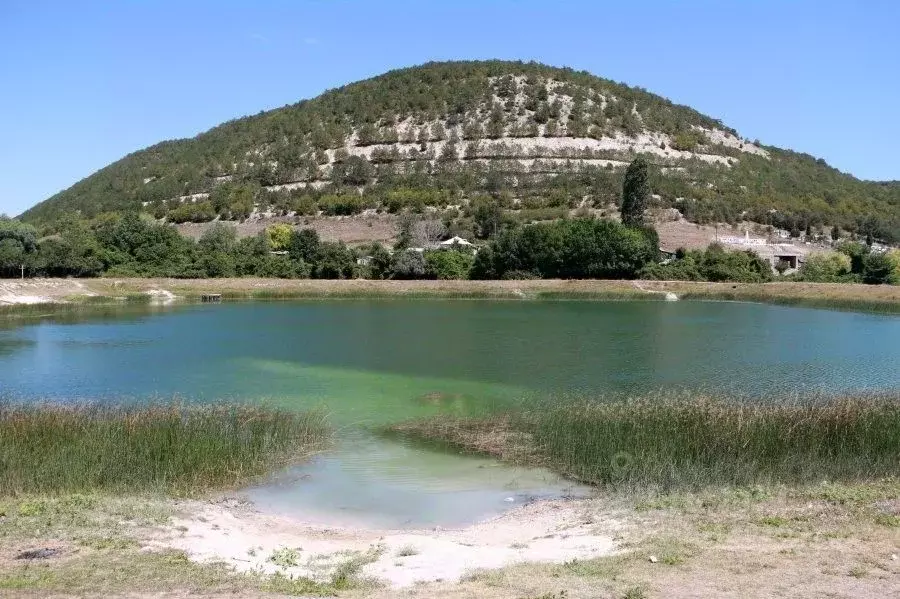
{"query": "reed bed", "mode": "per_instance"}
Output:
(846, 304)
(665, 441)
(170, 448)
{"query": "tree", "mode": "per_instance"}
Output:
(334, 261)
(304, 246)
(409, 264)
(380, 262)
(488, 218)
(635, 192)
(449, 264)
(355, 170)
(878, 269)
(835, 233)
(18, 243)
(218, 238)
(279, 236)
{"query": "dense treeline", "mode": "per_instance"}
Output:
(134, 246)
(303, 143)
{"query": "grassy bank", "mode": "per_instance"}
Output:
(96, 292)
(50, 449)
(668, 442)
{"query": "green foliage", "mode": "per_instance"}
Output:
(878, 269)
(341, 205)
(833, 267)
(170, 448)
(449, 264)
(409, 264)
(279, 236)
(234, 162)
(635, 192)
(193, 212)
(380, 262)
(687, 141)
(304, 245)
(334, 261)
(18, 244)
(570, 249)
(670, 441)
(713, 264)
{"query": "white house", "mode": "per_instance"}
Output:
(456, 240)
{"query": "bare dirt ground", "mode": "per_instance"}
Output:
(352, 230)
(827, 540)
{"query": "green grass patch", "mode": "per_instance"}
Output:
(665, 441)
(170, 448)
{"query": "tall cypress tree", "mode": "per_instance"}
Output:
(635, 193)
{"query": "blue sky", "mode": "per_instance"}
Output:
(84, 83)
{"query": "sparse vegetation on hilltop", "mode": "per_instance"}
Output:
(440, 133)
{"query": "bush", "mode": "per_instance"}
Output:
(832, 267)
(449, 264)
(279, 236)
(409, 264)
(199, 212)
(341, 205)
(712, 264)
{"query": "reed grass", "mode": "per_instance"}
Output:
(845, 304)
(170, 448)
(665, 441)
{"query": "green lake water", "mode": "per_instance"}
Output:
(374, 362)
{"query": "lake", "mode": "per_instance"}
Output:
(373, 362)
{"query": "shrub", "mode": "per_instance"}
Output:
(713, 264)
(279, 236)
(831, 267)
(409, 264)
(449, 264)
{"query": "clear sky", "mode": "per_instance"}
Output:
(84, 83)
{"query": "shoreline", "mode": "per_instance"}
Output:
(833, 537)
(35, 296)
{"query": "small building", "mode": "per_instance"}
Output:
(781, 252)
(455, 241)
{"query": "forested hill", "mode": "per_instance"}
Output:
(533, 136)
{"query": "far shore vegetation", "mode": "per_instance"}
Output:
(168, 448)
(669, 442)
(564, 247)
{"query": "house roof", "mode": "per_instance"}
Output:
(454, 240)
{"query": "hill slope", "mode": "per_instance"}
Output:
(535, 136)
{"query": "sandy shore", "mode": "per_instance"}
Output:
(250, 541)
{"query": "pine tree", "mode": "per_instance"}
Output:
(635, 193)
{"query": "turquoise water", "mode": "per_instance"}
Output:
(373, 362)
